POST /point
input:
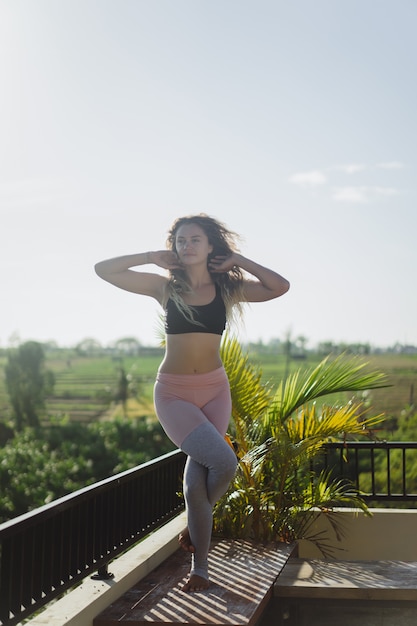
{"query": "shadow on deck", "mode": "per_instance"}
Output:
(242, 575)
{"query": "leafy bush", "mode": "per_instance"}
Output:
(40, 465)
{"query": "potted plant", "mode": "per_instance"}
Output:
(278, 432)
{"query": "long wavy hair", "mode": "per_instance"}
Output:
(224, 243)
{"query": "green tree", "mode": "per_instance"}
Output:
(122, 391)
(275, 493)
(127, 346)
(28, 383)
(38, 466)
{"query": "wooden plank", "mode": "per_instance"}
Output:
(242, 574)
(346, 580)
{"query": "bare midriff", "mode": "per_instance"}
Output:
(191, 353)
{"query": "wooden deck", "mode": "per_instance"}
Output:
(242, 575)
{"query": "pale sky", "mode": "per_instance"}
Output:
(292, 122)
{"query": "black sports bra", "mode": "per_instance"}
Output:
(211, 317)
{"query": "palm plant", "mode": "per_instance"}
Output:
(276, 493)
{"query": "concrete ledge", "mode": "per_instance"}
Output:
(80, 606)
(387, 535)
(348, 580)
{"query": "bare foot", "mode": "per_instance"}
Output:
(196, 583)
(185, 541)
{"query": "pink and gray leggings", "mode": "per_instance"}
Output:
(194, 410)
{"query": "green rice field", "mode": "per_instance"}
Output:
(85, 385)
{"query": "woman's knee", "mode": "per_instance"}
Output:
(207, 447)
(230, 462)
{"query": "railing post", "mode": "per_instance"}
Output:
(103, 573)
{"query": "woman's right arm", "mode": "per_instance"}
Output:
(118, 272)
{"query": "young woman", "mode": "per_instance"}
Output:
(204, 288)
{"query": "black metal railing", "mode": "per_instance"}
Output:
(47, 551)
(380, 471)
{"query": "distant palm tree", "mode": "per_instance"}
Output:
(275, 493)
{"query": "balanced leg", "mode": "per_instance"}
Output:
(210, 468)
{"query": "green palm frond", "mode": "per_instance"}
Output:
(250, 397)
(326, 492)
(330, 422)
(330, 376)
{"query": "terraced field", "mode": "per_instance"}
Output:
(86, 387)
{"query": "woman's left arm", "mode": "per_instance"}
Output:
(269, 284)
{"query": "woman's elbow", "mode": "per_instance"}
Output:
(282, 288)
(99, 269)
(286, 286)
